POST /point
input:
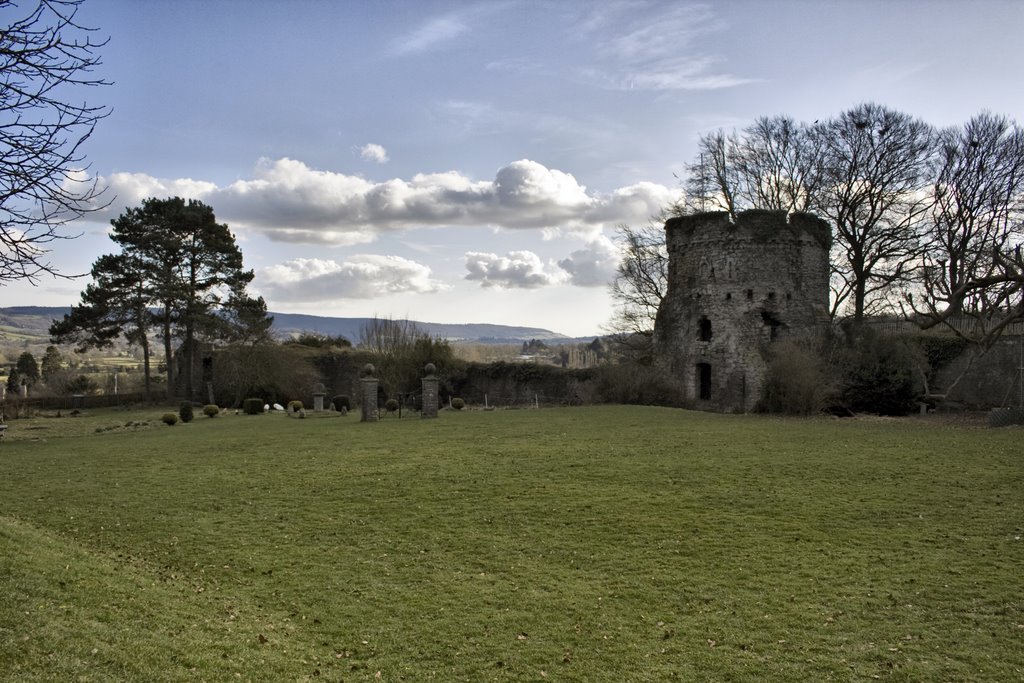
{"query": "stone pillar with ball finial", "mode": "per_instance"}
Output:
(430, 385)
(369, 394)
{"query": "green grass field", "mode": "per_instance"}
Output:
(586, 544)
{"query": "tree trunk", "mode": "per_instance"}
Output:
(189, 358)
(147, 380)
(858, 299)
(168, 355)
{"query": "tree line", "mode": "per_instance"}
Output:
(927, 222)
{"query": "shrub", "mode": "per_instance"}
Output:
(252, 406)
(295, 406)
(458, 403)
(169, 419)
(797, 382)
(211, 410)
(81, 384)
(879, 374)
(391, 405)
(342, 401)
(185, 411)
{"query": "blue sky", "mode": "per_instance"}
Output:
(468, 161)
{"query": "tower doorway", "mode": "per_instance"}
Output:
(704, 381)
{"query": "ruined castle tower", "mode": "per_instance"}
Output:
(734, 287)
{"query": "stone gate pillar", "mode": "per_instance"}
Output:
(318, 398)
(430, 384)
(368, 385)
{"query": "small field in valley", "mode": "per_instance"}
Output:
(579, 544)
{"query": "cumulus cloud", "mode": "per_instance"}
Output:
(129, 189)
(593, 265)
(516, 270)
(290, 202)
(361, 277)
(374, 152)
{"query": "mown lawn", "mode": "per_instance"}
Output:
(586, 544)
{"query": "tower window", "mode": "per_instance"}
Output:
(773, 324)
(705, 329)
(750, 294)
(728, 296)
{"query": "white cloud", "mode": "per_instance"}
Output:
(290, 202)
(360, 277)
(654, 47)
(593, 265)
(129, 189)
(374, 152)
(431, 34)
(517, 270)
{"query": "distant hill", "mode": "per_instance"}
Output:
(293, 323)
(34, 322)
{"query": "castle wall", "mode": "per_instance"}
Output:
(733, 288)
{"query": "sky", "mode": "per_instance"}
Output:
(468, 162)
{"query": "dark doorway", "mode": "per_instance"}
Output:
(704, 381)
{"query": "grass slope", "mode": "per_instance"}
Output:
(592, 544)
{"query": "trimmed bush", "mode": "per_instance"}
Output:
(185, 411)
(211, 410)
(169, 419)
(391, 405)
(342, 401)
(458, 403)
(295, 406)
(252, 406)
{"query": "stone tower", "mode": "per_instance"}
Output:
(735, 286)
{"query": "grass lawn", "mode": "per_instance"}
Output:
(585, 544)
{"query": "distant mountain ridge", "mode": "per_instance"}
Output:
(36, 320)
(290, 323)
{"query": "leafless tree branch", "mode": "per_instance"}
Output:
(45, 57)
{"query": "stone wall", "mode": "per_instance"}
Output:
(733, 288)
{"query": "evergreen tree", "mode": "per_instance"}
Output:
(195, 272)
(13, 382)
(179, 273)
(116, 303)
(27, 368)
(51, 364)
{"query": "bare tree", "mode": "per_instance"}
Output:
(772, 164)
(780, 165)
(45, 54)
(874, 162)
(402, 349)
(972, 275)
(639, 285)
(713, 182)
